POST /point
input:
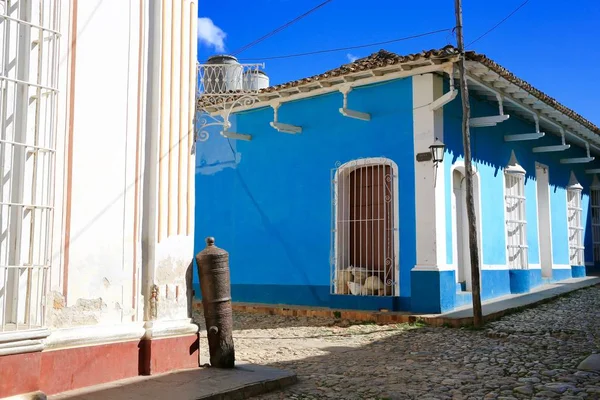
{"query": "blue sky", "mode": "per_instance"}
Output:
(554, 45)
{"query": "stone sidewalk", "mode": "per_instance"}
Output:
(494, 309)
(242, 382)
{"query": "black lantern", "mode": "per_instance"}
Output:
(437, 151)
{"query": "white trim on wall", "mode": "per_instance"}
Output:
(430, 213)
(546, 169)
(561, 266)
(433, 268)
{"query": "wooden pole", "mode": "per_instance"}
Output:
(473, 245)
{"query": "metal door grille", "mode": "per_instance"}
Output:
(595, 208)
(516, 221)
(29, 40)
(575, 229)
(364, 247)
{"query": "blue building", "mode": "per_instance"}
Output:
(334, 200)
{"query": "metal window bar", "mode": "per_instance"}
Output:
(516, 222)
(29, 33)
(574, 213)
(364, 259)
(595, 211)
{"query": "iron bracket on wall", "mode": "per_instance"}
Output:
(222, 119)
(351, 113)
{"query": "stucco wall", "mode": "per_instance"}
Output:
(490, 156)
(97, 270)
(269, 204)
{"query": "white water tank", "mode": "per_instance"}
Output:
(254, 80)
(222, 74)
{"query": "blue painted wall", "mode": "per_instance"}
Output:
(490, 155)
(268, 201)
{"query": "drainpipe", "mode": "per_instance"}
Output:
(448, 97)
(150, 176)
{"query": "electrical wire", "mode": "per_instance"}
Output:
(349, 47)
(282, 27)
(499, 23)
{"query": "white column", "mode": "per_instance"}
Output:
(429, 180)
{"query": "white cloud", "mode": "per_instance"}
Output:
(211, 35)
(351, 57)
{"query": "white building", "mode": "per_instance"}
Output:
(97, 199)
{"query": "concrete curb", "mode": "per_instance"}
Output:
(253, 389)
(242, 382)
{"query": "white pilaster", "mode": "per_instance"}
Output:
(168, 188)
(429, 180)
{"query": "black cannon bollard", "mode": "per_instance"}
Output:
(213, 270)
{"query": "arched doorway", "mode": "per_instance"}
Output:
(461, 225)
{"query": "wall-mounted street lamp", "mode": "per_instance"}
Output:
(437, 151)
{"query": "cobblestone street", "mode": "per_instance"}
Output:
(532, 354)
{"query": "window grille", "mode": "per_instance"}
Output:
(575, 227)
(515, 220)
(595, 208)
(364, 248)
(29, 41)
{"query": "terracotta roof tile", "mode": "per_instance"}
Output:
(384, 58)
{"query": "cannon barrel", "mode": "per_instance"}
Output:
(213, 271)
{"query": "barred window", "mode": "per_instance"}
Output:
(364, 228)
(575, 226)
(29, 40)
(516, 223)
(595, 210)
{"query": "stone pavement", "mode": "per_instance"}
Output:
(242, 382)
(533, 354)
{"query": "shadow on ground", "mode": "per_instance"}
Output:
(532, 354)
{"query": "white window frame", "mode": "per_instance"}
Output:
(574, 222)
(517, 251)
(460, 167)
(595, 217)
(29, 63)
(340, 216)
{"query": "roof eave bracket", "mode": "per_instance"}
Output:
(579, 160)
(284, 128)
(346, 112)
(550, 149)
(493, 120)
(527, 136)
(237, 136)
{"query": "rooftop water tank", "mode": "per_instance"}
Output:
(224, 76)
(254, 80)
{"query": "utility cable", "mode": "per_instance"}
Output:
(282, 27)
(499, 23)
(349, 47)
